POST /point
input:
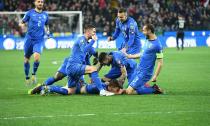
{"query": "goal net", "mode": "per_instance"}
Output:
(62, 23)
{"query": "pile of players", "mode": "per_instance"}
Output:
(74, 67)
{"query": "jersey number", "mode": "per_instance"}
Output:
(39, 23)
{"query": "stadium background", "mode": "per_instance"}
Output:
(102, 13)
(184, 77)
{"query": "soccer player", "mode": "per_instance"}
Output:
(129, 29)
(122, 67)
(36, 20)
(77, 67)
(81, 88)
(152, 52)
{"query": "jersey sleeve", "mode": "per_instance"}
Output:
(131, 34)
(85, 47)
(159, 53)
(26, 17)
(117, 30)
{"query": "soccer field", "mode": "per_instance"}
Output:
(185, 78)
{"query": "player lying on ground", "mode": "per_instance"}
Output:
(152, 52)
(36, 20)
(121, 66)
(82, 88)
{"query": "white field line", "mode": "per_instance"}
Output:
(92, 114)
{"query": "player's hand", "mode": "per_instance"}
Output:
(154, 78)
(94, 37)
(109, 39)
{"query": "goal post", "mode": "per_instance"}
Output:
(61, 22)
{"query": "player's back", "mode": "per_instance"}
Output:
(120, 58)
(36, 23)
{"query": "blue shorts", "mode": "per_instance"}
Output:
(62, 68)
(139, 80)
(32, 46)
(74, 72)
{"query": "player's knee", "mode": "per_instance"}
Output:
(36, 57)
(59, 76)
(26, 60)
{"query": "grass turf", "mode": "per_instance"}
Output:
(185, 78)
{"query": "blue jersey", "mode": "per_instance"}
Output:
(119, 60)
(92, 52)
(151, 51)
(36, 23)
(131, 34)
(81, 49)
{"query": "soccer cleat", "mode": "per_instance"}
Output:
(35, 90)
(157, 89)
(33, 79)
(28, 82)
(44, 91)
(106, 93)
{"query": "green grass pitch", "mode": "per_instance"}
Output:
(185, 78)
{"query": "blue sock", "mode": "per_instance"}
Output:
(58, 89)
(50, 81)
(26, 69)
(145, 90)
(35, 67)
(97, 80)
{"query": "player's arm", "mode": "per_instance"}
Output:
(132, 56)
(24, 20)
(47, 28)
(116, 33)
(159, 66)
(123, 76)
(88, 47)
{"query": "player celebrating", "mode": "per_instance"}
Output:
(36, 20)
(152, 51)
(122, 67)
(76, 66)
(128, 27)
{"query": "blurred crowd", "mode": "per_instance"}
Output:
(102, 13)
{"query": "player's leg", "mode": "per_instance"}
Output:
(60, 74)
(54, 89)
(28, 51)
(177, 40)
(37, 50)
(94, 76)
(182, 38)
(137, 86)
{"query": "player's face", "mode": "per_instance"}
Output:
(122, 16)
(39, 4)
(91, 32)
(146, 32)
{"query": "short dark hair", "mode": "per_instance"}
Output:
(102, 56)
(150, 27)
(89, 26)
(122, 10)
(115, 83)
